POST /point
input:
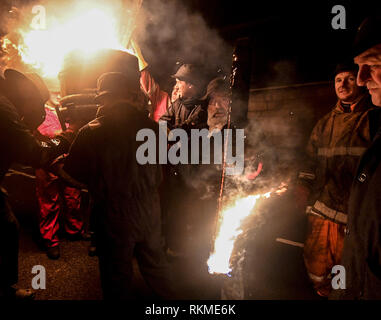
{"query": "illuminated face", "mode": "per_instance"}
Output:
(185, 89)
(369, 74)
(175, 93)
(218, 108)
(346, 87)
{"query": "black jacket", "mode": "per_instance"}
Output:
(17, 144)
(362, 247)
(103, 157)
(186, 114)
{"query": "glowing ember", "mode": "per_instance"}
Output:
(88, 29)
(230, 228)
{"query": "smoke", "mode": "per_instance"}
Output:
(168, 33)
(165, 29)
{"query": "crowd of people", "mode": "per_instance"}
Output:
(152, 211)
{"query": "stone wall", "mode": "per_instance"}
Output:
(288, 114)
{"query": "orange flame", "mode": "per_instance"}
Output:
(231, 219)
(87, 28)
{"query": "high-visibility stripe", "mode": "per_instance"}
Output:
(12, 172)
(322, 209)
(341, 151)
(306, 175)
(316, 278)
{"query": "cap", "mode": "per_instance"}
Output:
(28, 94)
(30, 83)
(40, 84)
(116, 83)
(191, 73)
(368, 35)
(346, 66)
(217, 85)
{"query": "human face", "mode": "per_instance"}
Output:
(346, 87)
(185, 89)
(218, 108)
(175, 93)
(369, 74)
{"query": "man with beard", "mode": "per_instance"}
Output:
(206, 185)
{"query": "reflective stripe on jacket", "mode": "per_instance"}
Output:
(333, 151)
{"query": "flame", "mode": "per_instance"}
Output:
(88, 29)
(231, 219)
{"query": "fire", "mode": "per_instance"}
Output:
(87, 28)
(231, 219)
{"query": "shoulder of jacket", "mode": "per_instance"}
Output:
(323, 120)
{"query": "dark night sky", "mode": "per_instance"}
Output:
(291, 41)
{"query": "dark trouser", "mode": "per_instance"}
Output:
(119, 239)
(9, 246)
(177, 208)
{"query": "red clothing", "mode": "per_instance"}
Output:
(52, 194)
(56, 199)
(160, 100)
(51, 126)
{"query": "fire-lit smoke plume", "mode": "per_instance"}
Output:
(87, 26)
(230, 222)
(169, 32)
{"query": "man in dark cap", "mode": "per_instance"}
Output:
(128, 222)
(189, 111)
(362, 246)
(21, 111)
(333, 151)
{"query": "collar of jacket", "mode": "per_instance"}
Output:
(191, 102)
(362, 103)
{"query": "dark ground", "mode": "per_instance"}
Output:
(75, 275)
(271, 270)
